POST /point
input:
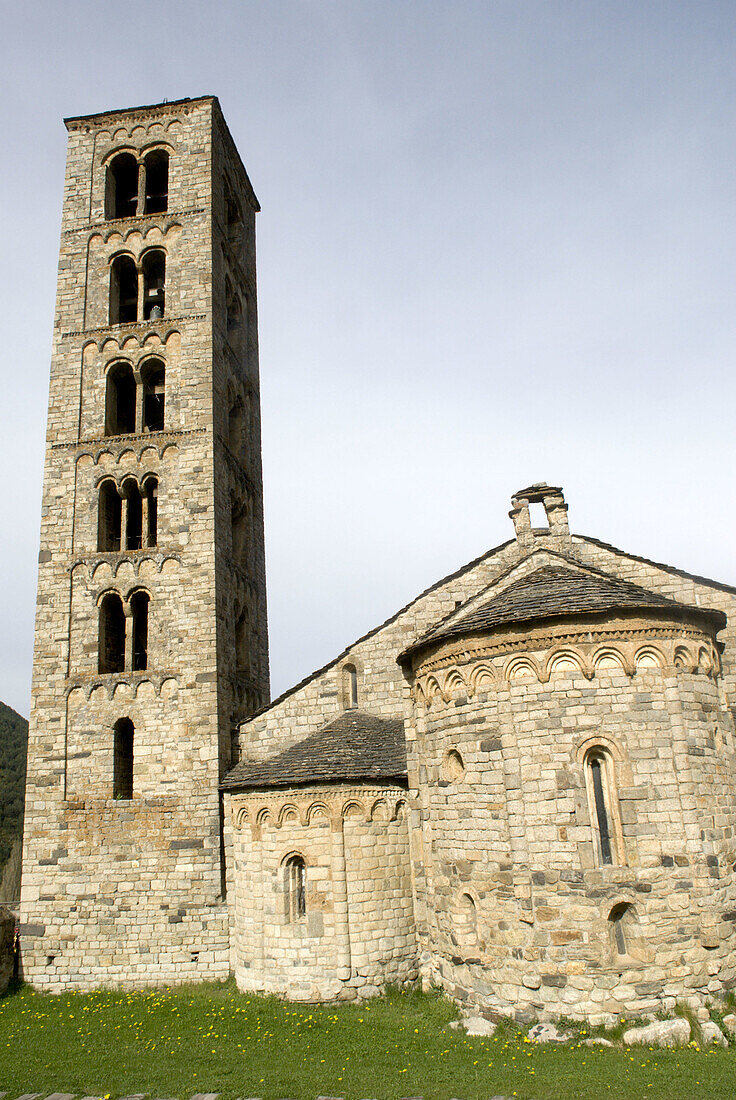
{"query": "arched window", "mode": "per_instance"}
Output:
(139, 607)
(600, 781)
(121, 192)
(157, 181)
(150, 501)
(153, 374)
(295, 884)
(120, 400)
(350, 686)
(111, 636)
(154, 284)
(109, 518)
(619, 920)
(122, 781)
(123, 291)
(133, 515)
(466, 921)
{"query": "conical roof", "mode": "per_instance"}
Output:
(553, 592)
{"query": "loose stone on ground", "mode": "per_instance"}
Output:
(660, 1033)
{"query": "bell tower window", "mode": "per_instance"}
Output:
(139, 608)
(109, 517)
(123, 291)
(157, 182)
(111, 637)
(120, 400)
(154, 396)
(154, 281)
(150, 498)
(133, 509)
(122, 187)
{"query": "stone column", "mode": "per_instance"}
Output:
(340, 897)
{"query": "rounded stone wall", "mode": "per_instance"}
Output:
(577, 786)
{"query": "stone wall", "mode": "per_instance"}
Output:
(356, 933)
(515, 906)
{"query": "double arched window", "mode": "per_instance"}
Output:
(123, 633)
(137, 185)
(600, 781)
(135, 400)
(138, 290)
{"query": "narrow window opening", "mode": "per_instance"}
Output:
(618, 919)
(122, 782)
(122, 187)
(109, 518)
(466, 921)
(350, 686)
(120, 401)
(154, 283)
(154, 396)
(538, 515)
(296, 887)
(111, 637)
(150, 489)
(123, 291)
(157, 182)
(134, 516)
(604, 831)
(139, 607)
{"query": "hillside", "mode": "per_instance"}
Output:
(13, 746)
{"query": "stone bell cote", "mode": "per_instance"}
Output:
(552, 500)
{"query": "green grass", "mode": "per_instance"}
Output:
(211, 1038)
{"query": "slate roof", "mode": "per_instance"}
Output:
(553, 592)
(356, 745)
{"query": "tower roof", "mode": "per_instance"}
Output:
(553, 592)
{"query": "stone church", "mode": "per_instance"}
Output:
(521, 787)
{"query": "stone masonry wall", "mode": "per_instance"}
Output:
(507, 821)
(130, 890)
(357, 932)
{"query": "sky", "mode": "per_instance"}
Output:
(496, 247)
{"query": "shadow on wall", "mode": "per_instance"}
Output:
(7, 943)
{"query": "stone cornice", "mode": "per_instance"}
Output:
(143, 220)
(134, 327)
(119, 443)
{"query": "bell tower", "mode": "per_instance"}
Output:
(151, 636)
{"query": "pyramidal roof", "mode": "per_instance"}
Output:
(552, 592)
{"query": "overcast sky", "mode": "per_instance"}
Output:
(497, 246)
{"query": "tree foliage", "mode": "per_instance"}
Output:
(13, 750)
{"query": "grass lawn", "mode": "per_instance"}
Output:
(211, 1038)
